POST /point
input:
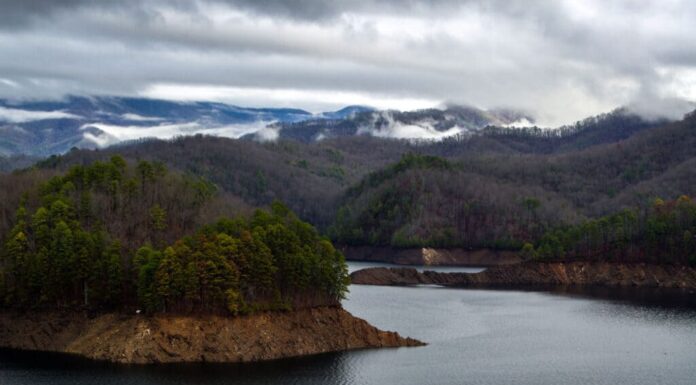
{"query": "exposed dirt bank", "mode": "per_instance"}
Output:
(530, 274)
(430, 256)
(168, 339)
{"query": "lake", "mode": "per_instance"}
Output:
(475, 337)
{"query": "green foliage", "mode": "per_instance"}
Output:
(662, 233)
(59, 255)
(110, 236)
(268, 262)
(528, 252)
(158, 218)
(146, 264)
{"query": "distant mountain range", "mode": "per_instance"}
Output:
(37, 129)
(42, 128)
(429, 123)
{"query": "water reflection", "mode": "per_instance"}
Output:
(671, 299)
(48, 368)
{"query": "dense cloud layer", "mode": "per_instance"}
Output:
(563, 60)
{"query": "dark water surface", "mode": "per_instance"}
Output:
(475, 337)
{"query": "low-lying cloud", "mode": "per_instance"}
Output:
(110, 134)
(12, 115)
(392, 128)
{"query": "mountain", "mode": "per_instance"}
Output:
(309, 177)
(420, 124)
(605, 128)
(499, 189)
(345, 112)
(9, 163)
(42, 128)
(502, 200)
(568, 172)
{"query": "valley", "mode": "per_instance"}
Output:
(211, 233)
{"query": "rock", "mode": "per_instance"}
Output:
(139, 339)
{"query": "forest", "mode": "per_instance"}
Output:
(662, 233)
(502, 201)
(115, 236)
(429, 201)
(502, 189)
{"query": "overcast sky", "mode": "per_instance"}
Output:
(561, 60)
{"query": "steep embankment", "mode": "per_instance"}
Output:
(169, 339)
(430, 256)
(530, 274)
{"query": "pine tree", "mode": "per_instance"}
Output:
(114, 273)
(147, 262)
(258, 269)
(169, 278)
(61, 276)
(158, 223)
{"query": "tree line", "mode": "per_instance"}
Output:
(662, 233)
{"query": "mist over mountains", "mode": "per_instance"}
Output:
(43, 128)
(429, 124)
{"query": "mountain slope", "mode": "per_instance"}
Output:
(308, 177)
(512, 192)
(9, 163)
(503, 200)
(43, 128)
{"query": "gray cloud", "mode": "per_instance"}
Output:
(18, 11)
(563, 59)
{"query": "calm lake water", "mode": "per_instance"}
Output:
(475, 337)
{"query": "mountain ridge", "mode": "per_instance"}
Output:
(44, 128)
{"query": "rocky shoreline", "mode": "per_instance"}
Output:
(136, 339)
(540, 273)
(430, 256)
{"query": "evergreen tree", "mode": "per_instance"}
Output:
(85, 246)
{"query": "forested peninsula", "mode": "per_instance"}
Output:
(125, 262)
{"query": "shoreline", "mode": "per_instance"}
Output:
(168, 339)
(531, 274)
